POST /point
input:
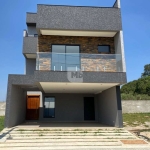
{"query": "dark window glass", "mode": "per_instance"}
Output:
(104, 49)
(49, 107)
(58, 48)
(72, 49)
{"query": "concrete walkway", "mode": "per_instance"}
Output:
(53, 137)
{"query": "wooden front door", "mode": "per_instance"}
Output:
(33, 103)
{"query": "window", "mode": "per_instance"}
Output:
(65, 57)
(103, 48)
(49, 107)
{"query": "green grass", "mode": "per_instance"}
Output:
(1, 123)
(136, 119)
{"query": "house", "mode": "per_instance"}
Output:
(74, 67)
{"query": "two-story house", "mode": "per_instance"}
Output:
(74, 66)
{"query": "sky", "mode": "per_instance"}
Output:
(136, 27)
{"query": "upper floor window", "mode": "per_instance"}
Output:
(65, 49)
(104, 49)
(65, 58)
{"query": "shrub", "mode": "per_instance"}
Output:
(135, 97)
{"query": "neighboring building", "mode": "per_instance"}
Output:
(75, 65)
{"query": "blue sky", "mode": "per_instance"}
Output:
(136, 27)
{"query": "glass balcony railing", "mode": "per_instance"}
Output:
(79, 62)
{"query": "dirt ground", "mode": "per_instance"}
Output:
(141, 131)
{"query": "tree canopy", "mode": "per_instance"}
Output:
(146, 71)
(140, 86)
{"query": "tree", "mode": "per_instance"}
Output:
(129, 87)
(146, 71)
(142, 85)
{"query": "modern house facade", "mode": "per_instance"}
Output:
(75, 64)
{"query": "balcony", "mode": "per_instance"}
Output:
(79, 62)
(30, 43)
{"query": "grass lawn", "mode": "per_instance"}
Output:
(136, 119)
(1, 123)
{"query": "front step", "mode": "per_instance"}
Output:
(83, 143)
(63, 138)
(57, 140)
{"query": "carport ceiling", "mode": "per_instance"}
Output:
(92, 88)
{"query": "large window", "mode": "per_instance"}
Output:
(49, 107)
(65, 57)
(103, 48)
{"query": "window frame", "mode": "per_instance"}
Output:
(65, 53)
(44, 107)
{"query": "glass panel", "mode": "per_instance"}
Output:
(72, 67)
(58, 57)
(89, 62)
(49, 107)
(72, 58)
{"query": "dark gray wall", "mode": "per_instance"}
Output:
(31, 18)
(78, 18)
(60, 76)
(68, 107)
(88, 77)
(16, 110)
(30, 45)
(109, 112)
(30, 66)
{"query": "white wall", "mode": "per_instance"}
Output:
(119, 49)
(136, 106)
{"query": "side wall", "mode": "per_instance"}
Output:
(30, 66)
(16, 110)
(87, 44)
(119, 49)
(109, 105)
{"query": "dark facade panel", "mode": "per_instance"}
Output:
(88, 77)
(30, 66)
(56, 76)
(30, 45)
(78, 18)
(31, 18)
(118, 98)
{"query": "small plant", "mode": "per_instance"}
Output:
(21, 130)
(40, 134)
(85, 131)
